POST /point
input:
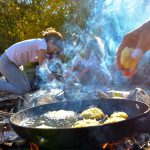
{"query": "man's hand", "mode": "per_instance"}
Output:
(139, 41)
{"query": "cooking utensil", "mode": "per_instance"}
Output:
(86, 137)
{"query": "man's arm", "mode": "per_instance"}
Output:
(41, 56)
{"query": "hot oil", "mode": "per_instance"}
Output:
(52, 120)
(68, 119)
(45, 121)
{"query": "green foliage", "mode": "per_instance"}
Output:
(25, 19)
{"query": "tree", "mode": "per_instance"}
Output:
(24, 19)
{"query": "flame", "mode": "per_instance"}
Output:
(34, 146)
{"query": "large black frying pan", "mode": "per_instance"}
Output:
(86, 137)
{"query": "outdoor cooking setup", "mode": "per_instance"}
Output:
(94, 62)
(86, 137)
(130, 133)
(104, 136)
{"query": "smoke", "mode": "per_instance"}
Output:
(115, 18)
(109, 21)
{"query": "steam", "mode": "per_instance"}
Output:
(115, 18)
(108, 22)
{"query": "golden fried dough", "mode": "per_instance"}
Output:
(126, 60)
(92, 113)
(119, 114)
(114, 119)
(86, 123)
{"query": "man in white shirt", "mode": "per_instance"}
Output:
(22, 53)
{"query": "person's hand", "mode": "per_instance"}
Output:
(139, 41)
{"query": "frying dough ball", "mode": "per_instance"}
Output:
(92, 113)
(126, 60)
(113, 120)
(119, 114)
(86, 123)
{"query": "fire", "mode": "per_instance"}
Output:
(120, 144)
(34, 146)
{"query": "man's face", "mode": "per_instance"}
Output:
(52, 48)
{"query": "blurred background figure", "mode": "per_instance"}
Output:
(88, 67)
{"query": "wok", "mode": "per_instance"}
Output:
(86, 137)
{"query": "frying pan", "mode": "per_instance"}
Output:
(86, 137)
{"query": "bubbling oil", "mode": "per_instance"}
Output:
(52, 119)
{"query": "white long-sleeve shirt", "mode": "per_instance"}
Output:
(26, 51)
